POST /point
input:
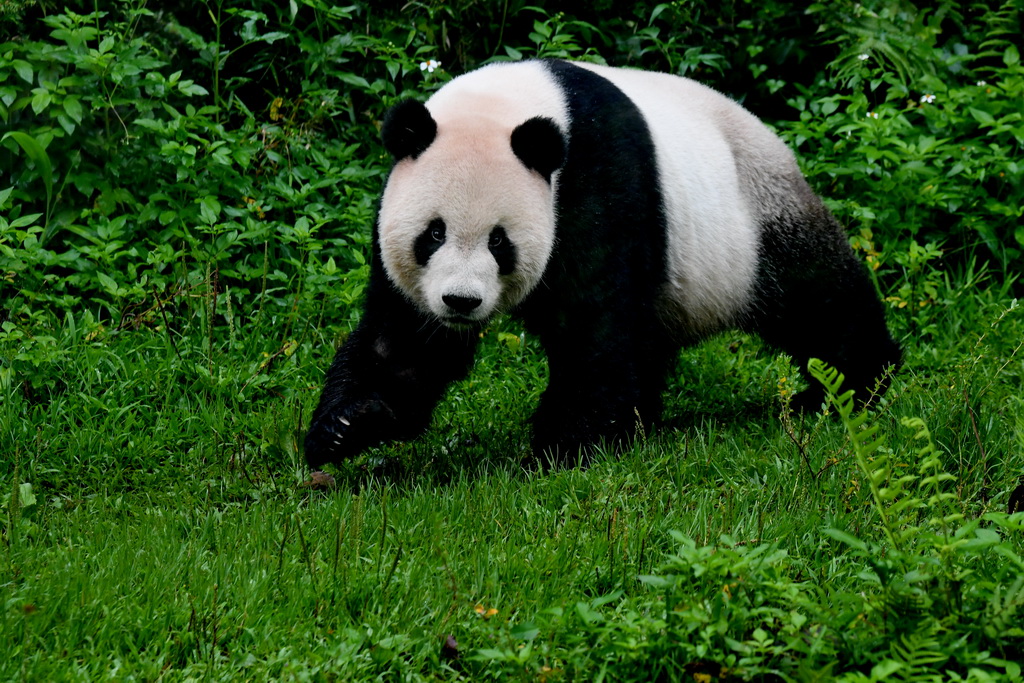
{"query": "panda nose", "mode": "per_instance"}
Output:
(461, 304)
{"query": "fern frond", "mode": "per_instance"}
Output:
(933, 476)
(865, 445)
(829, 377)
(1004, 607)
(920, 655)
(1003, 28)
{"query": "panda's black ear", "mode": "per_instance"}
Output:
(408, 129)
(539, 144)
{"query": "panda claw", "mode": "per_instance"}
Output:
(344, 421)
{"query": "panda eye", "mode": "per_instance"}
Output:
(503, 249)
(429, 241)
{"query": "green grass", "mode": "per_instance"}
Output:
(157, 529)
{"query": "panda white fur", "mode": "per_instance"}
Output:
(621, 214)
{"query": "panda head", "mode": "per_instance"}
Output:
(467, 218)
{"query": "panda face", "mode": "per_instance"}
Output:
(465, 227)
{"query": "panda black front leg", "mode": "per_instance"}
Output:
(604, 385)
(352, 415)
(386, 379)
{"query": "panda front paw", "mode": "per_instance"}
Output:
(344, 433)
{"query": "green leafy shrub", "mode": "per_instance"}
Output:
(919, 141)
(163, 207)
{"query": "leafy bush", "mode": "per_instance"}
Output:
(935, 162)
(914, 141)
(153, 201)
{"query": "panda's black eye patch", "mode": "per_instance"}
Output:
(503, 251)
(429, 241)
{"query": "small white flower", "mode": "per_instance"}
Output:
(927, 99)
(872, 114)
(863, 56)
(429, 65)
(982, 83)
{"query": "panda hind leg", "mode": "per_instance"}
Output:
(827, 308)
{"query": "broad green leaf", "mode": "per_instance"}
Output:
(24, 69)
(525, 631)
(28, 499)
(605, 599)
(108, 282)
(41, 100)
(73, 108)
(27, 219)
(884, 669)
(1012, 56)
(654, 581)
(658, 10)
(209, 209)
(67, 124)
(512, 341)
(982, 116)
(587, 614)
(189, 88)
(353, 79)
(36, 153)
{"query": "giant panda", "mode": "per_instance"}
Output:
(622, 215)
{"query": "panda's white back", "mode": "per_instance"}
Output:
(712, 206)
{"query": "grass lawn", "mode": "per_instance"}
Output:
(156, 527)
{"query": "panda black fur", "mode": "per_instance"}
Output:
(621, 214)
